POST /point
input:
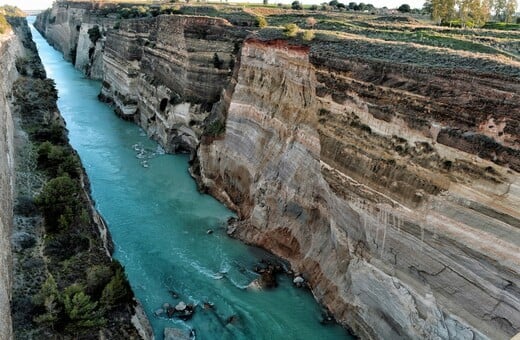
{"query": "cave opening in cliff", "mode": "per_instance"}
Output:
(163, 104)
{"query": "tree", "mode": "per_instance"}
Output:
(427, 7)
(473, 12)
(510, 10)
(404, 8)
(296, 5)
(443, 10)
(333, 3)
(265, 2)
(59, 200)
(82, 312)
(353, 6)
(49, 298)
(116, 291)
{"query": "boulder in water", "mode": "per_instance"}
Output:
(158, 312)
(175, 334)
(181, 306)
(166, 305)
(299, 281)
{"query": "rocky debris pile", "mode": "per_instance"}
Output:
(268, 272)
(181, 310)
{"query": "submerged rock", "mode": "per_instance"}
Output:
(175, 334)
(299, 281)
(181, 306)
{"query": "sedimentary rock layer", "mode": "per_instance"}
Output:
(398, 202)
(10, 49)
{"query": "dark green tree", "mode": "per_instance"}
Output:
(404, 8)
(296, 5)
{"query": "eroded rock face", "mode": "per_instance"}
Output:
(345, 170)
(10, 49)
(168, 72)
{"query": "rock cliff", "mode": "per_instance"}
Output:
(10, 49)
(345, 168)
(387, 173)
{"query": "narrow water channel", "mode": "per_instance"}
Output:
(159, 224)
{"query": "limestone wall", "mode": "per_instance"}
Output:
(10, 49)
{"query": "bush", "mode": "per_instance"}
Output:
(49, 298)
(291, 30)
(59, 201)
(94, 34)
(117, 290)
(261, 21)
(81, 311)
(57, 160)
(98, 277)
(308, 35)
(216, 128)
(217, 63)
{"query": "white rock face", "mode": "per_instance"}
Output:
(10, 49)
(409, 263)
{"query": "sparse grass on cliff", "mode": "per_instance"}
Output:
(4, 25)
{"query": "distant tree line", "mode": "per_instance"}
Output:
(471, 12)
(335, 5)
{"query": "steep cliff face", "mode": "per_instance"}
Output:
(385, 172)
(69, 29)
(168, 72)
(10, 49)
(377, 188)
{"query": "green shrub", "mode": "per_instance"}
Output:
(216, 128)
(98, 277)
(116, 291)
(49, 298)
(291, 30)
(217, 62)
(261, 21)
(80, 310)
(59, 201)
(308, 35)
(94, 34)
(57, 160)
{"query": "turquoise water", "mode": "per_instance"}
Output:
(158, 223)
